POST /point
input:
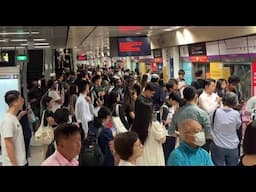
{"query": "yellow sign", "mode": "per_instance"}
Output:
(143, 68)
(216, 70)
(226, 72)
(165, 74)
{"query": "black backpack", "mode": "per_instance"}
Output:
(91, 154)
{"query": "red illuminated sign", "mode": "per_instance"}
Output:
(134, 46)
(81, 57)
(199, 59)
(254, 78)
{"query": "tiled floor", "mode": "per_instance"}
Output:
(36, 154)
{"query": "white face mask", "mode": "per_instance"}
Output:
(199, 138)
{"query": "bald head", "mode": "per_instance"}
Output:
(188, 127)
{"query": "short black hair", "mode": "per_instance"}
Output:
(150, 87)
(175, 96)
(249, 141)
(61, 116)
(11, 96)
(189, 93)
(208, 82)
(82, 86)
(233, 79)
(103, 113)
(171, 83)
(95, 78)
(123, 144)
(50, 83)
(181, 72)
(199, 73)
(46, 99)
(64, 131)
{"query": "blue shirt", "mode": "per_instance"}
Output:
(226, 124)
(185, 155)
(104, 138)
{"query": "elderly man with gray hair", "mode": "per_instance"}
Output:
(190, 152)
(226, 122)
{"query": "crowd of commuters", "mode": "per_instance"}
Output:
(170, 123)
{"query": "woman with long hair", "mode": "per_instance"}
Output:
(151, 134)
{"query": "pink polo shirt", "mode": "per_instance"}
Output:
(56, 159)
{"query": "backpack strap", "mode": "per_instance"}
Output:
(161, 111)
(213, 116)
(98, 134)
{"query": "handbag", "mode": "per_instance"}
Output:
(44, 134)
(117, 123)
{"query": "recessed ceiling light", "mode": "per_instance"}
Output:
(137, 33)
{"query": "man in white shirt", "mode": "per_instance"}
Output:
(84, 108)
(57, 101)
(209, 100)
(12, 140)
(181, 82)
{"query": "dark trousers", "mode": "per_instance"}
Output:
(168, 146)
(224, 157)
(27, 143)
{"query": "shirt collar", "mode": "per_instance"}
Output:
(188, 148)
(63, 161)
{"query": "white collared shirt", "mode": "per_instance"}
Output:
(208, 102)
(83, 112)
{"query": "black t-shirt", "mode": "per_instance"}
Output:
(128, 109)
(198, 84)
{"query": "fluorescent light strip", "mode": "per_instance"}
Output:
(24, 44)
(39, 39)
(19, 33)
(38, 47)
(3, 40)
(41, 43)
(18, 40)
(12, 47)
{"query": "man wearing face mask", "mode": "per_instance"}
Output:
(190, 153)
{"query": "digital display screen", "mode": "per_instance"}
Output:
(7, 82)
(133, 46)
